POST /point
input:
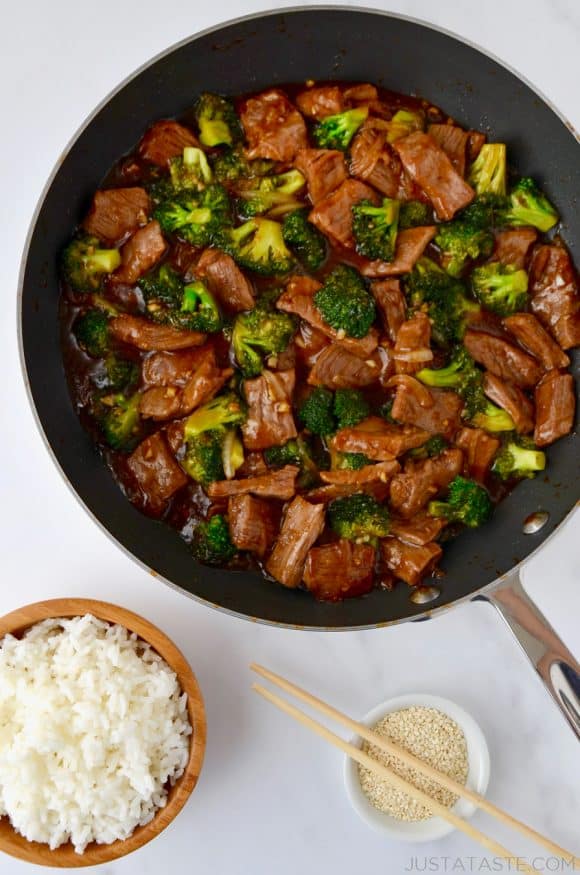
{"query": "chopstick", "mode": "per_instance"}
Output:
(406, 757)
(395, 780)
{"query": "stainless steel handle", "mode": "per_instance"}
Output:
(550, 657)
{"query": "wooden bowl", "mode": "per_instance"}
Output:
(12, 842)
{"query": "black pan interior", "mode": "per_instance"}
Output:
(245, 56)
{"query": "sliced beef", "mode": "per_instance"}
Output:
(156, 474)
(409, 562)
(340, 570)
(411, 243)
(391, 303)
(419, 530)
(160, 403)
(512, 246)
(253, 465)
(503, 359)
(140, 253)
(319, 102)
(171, 368)
(441, 416)
(225, 280)
(298, 298)
(252, 523)
(511, 399)
(164, 140)
(204, 383)
(333, 215)
(275, 484)
(412, 345)
(474, 144)
(373, 160)
(274, 128)
(479, 449)
(378, 439)
(117, 212)
(270, 421)
(422, 480)
(303, 523)
(145, 335)
(337, 368)
(426, 163)
(324, 169)
(360, 94)
(381, 472)
(325, 494)
(453, 140)
(554, 289)
(555, 407)
(204, 379)
(530, 334)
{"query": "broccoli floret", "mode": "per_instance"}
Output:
(85, 263)
(163, 286)
(259, 333)
(294, 452)
(500, 288)
(492, 418)
(217, 120)
(225, 410)
(350, 407)
(345, 303)
(444, 297)
(199, 308)
(119, 374)
(258, 245)
(349, 461)
(120, 421)
(203, 458)
(270, 194)
(190, 307)
(518, 457)
(359, 518)
(92, 332)
(191, 170)
(466, 237)
(305, 241)
(211, 543)
(211, 453)
(231, 164)
(529, 206)
(463, 375)
(459, 374)
(403, 123)
(336, 131)
(375, 228)
(414, 213)
(467, 503)
(432, 447)
(488, 172)
(316, 412)
(195, 216)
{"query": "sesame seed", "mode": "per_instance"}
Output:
(432, 737)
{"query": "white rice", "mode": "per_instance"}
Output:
(93, 727)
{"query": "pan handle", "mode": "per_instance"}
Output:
(552, 660)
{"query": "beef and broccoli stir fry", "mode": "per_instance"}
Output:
(318, 331)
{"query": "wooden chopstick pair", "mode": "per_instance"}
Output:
(409, 759)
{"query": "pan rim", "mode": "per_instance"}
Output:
(428, 613)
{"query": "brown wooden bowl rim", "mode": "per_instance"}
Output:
(18, 621)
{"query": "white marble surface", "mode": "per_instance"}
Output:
(270, 798)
